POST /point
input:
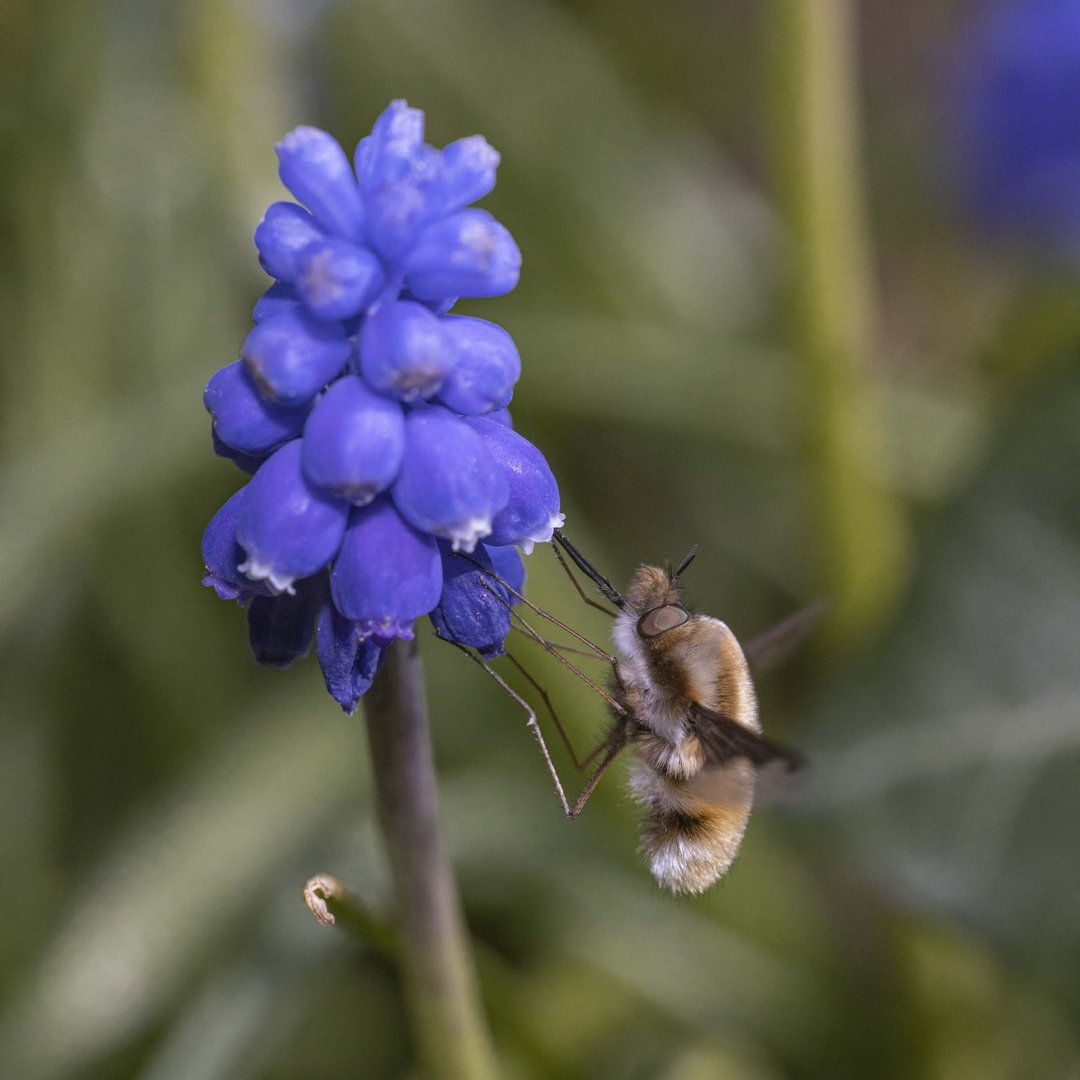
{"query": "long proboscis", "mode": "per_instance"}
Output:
(606, 588)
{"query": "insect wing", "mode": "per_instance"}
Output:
(724, 739)
(772, 648)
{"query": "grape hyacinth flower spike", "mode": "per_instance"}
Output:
(374, 422)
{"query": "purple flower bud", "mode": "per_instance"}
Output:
(287, 526)
(387, 573)
(387, 154)
(466, 254)
(222, 555)
(292, 356)
(285, 230)
(400, 178)
(405, 351)
(449, 484)
(349, 662)
(468, 172)
(314, 168)
(532, 511)
(507, 563)
(243, 418)
(280, 627)
(474, 609)
(354, 441)
(337, 279)
(248, 462)
(487, 366)
(281, 296)
(502, 416)
(398, 210)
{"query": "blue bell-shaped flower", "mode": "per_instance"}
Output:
(387, 574)
(531, 512)
(507, 563)
(354, 441)
(280, 627)
(349, 661)
(336, 279)
(292, 356)
(288, 528)
(243, 418)
(449, 485)
(405, 351)
(222, 555)
(466, 254)
(285, 230)
(486, 369)
(474, 609)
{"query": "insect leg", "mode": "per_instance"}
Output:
(534, 727)
(560, 646)
(583, 763)
(617, 742)
(580, 638)
(548, 647)
(579, 765)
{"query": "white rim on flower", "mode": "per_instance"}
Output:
(464, 535)
(542, 536)
(254, 570)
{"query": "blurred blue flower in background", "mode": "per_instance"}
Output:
(375, 423)
(1017, 120)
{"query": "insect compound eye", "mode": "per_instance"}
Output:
(661, 619)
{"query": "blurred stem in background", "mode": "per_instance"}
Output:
(813, 127)
(437, 972)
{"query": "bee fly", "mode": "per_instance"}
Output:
(682, 698)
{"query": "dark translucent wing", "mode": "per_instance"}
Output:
(771, 648)
(724, 739)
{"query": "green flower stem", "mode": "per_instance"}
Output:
(813, 120)
(436, 966)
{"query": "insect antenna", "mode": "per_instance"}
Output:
(690, 557)
(590, 571)
(614, 744)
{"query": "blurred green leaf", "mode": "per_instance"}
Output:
(180, 879)
(950, 758)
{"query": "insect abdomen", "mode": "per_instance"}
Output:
(694, 827)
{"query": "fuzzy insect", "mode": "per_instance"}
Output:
(682, 698)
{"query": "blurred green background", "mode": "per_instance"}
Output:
(752, 317)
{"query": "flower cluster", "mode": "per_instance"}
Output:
(375, 422)
(1016, 137)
